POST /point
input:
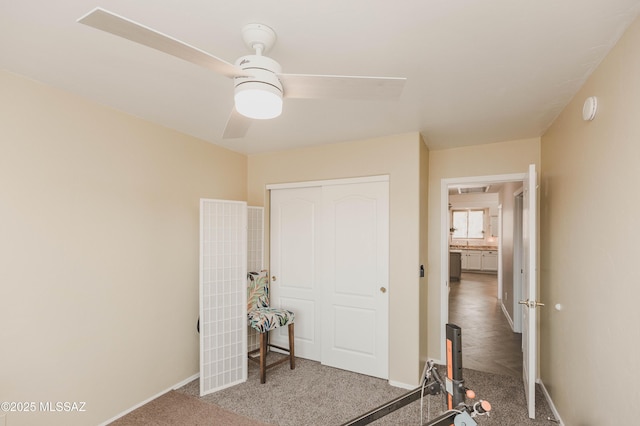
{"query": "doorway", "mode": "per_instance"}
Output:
(500, 285)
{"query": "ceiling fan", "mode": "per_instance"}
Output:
(259, 83)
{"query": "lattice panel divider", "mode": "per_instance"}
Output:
(223, 294)
(255, 243)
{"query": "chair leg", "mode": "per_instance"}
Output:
(263, 357)
(292, 359)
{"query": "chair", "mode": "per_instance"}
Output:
(263, 318)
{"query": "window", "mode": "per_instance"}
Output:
(468, 224)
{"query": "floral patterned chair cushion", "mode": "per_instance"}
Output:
(260, 316)
(265, 319)
(257, 291)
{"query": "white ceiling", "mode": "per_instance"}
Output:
(478, 71)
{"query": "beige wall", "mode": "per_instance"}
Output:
(424, 253)
(98, 252)
(589, 236)
(478, 160)
(399, 157)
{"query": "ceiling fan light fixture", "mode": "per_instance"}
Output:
(258, 94)
(258, 100)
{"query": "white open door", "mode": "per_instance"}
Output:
(530, 277)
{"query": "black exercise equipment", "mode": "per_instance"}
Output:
(458, 411)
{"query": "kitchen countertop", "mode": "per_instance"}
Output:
(456, 247)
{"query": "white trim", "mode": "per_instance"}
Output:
(308, 184)
(516, 290)
(444, 264)
(506, 314)
(185, 381)
(552, 406)
(401, 385)
(485, 179)
(146, 401)
(500, 252)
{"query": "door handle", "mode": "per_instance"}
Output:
(383, 289)
(530, 303)
(273, 278)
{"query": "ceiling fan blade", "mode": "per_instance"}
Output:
(110, 22)
(341, 87)
(237, 125)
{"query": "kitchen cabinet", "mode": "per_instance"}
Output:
(479, 260)
(490, 260)
(493, 226)
(474, 259)
(471, 260)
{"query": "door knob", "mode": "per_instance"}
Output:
(383, 290)
(273, 278)
(530, 303)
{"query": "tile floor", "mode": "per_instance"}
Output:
(488, 343)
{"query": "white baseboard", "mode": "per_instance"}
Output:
(185, 381)
(438, 361)
(174, 387)
(401, 385)
(506, 314)
(556, 415)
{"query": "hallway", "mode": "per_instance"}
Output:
(488, 343)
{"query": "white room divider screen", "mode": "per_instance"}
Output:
(255, 238)
(255, 246)
(223, 294)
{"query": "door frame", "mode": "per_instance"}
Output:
(326, 182)
(444, 238)
(517, 260)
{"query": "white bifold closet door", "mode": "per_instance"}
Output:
(223, 294)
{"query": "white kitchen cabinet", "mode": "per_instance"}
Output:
(474, 259)
(479, 260)
(490, 260)
(493, 226)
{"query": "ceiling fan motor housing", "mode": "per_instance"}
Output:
(262, 78)
(261, 69)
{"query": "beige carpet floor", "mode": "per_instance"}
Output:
(314, 394)
(176, 408)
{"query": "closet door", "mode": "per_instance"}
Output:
(355, 278)
(329, 264)
(295, 261)
(223, 294)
